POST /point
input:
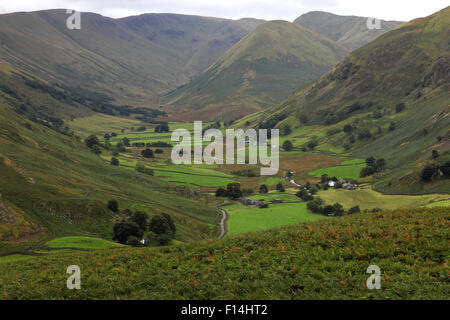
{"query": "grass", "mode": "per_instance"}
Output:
(272, 181)
(369, 199)
(15, 257)
(348, 169)
(326, 259)
(82, 243)
(243, 219)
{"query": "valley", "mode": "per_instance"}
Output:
(87, 176)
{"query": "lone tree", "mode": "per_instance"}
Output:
(147, 153)
(287, 145)
(234, 190)
(114, 161)
(428, 173)
(113, 205)
(263, 189)
(435, 154)
(91, 141)
(221, 192)
(280, 187)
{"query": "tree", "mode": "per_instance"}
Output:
(123, 230)
(141, 219)
(147, 153)
(234, 191)
(312, 144)
(286, 130)
(172, 226)
(263, 189)
(435, 154)
(348, 128)
(221, 192)
(392, 126)
(366, 171)
(399, 107)
(96, 149)
(428, 173)
(91, 141)
(140, 167)
(162, 229)
(380, 164)
(304, 195)
(303, 119)
(364, 134)
(354, 209)
(287, 145)
(315, 205)
(134, 241)
(126, 142)
(113, 205)
(445, 168)
(159, 225)
(114, 161)
(280, 187)
(324, 178)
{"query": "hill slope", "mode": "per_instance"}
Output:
(350, 31)
(259, 71)
(53, 185)
(321, 260)
(132, 60)
(409, 65)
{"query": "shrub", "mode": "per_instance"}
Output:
(140, 167)
(147, 153)
(280, 187)
(354, 209)
(263, 189)
(114, 161)
(91, 141)
(428, 172)
(134, 241)
(287, 145)
(315, 205)
(113, 205)
(399, 107)
(221, 192)
(234, 190)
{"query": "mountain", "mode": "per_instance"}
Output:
(394, 93)
(260, 70)
(350, 31)
(131, 60)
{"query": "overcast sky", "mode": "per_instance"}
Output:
(403, 10)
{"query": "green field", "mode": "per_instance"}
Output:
(243, 219)
(82, 243)
(348, 169)
(369, 199)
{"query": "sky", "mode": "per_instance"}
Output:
(401, 10)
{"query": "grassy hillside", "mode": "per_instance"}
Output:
(350, 31)
(393, 96)
(57, 187)
(131, 60)
(326, 259)
(259, 71)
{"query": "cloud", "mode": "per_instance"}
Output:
(234, 9)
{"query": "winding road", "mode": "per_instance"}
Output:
(223, 229)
